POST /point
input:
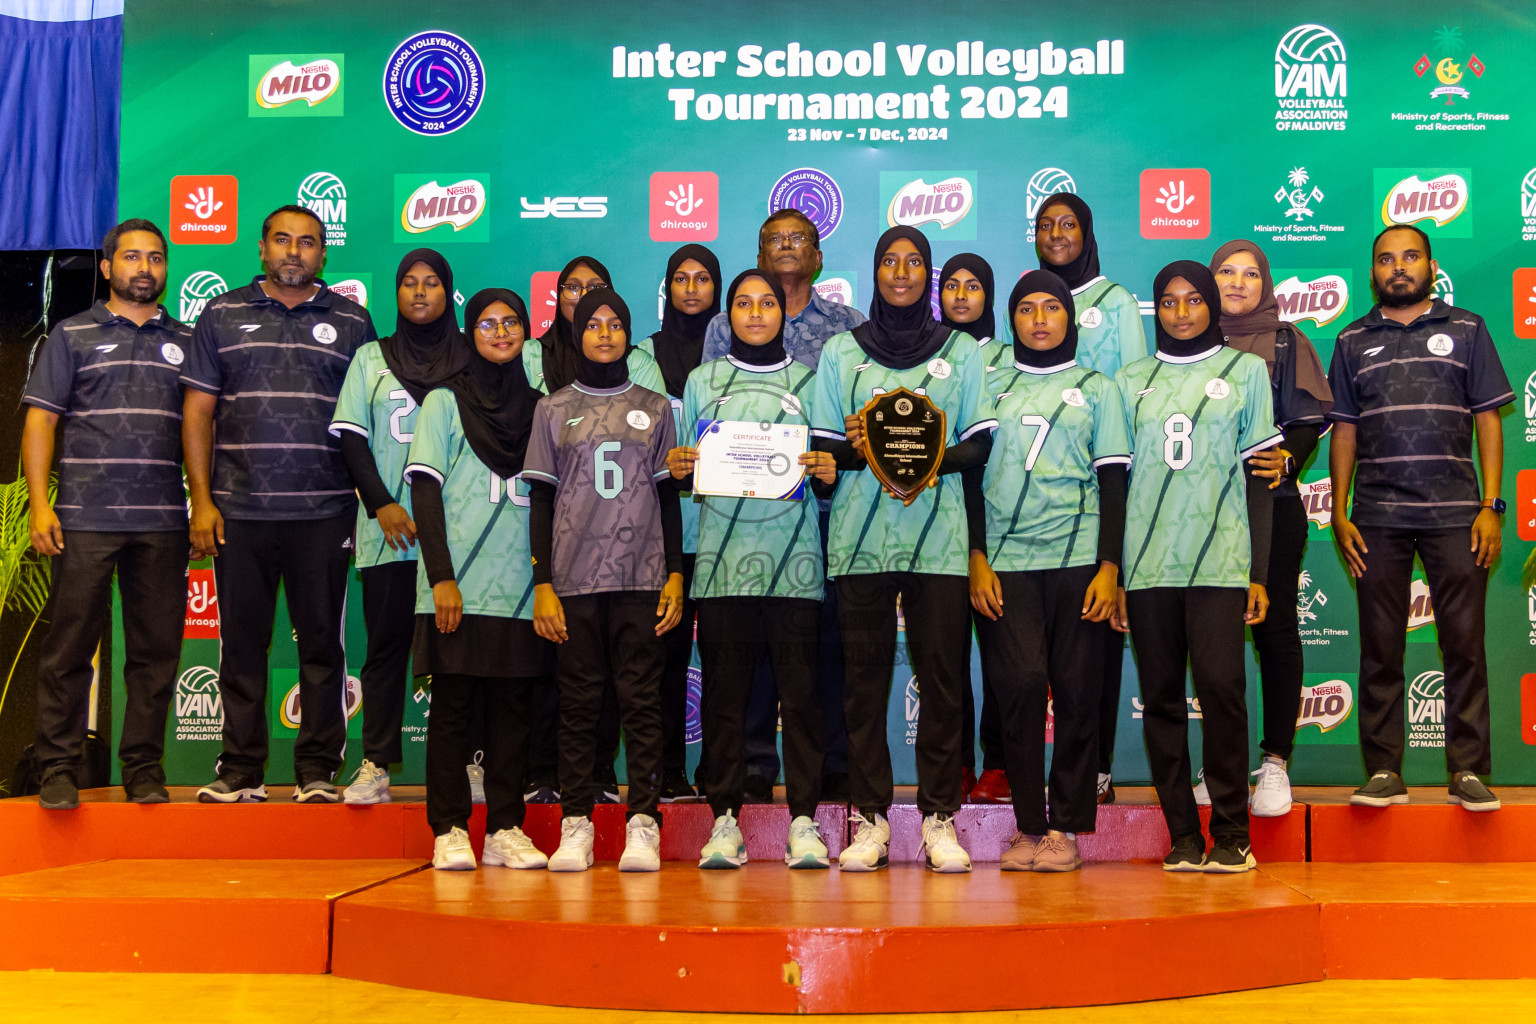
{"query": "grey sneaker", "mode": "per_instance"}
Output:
(1383, 790)
(59, 793)
(315, 791)
(1468, 790)
(369, 786)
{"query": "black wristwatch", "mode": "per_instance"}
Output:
(1497, 506)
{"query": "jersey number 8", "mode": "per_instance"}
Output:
(1178, 441)
(608, 475)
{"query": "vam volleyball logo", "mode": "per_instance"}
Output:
(812, 192)
(1444, 288)
(434, 83)
(324, 195)
(282, 86)
(1044, 183)
(1528, 206)
(948, 203)
(199, 705)
(430, 202)
(196, 290)
(1311, 81)
(1320, 296)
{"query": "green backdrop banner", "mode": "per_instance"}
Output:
(515, 136)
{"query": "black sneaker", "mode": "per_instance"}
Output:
(1229, 856)
(1383, 790)
(835, 788)
(542, 793)
(1187, 854)
(675, 788)
(233, 788)
(1468, 790)
(1106, 788)
(315, 791)
(59, 793)
(145, 788)
(606, 791)
(758, 790)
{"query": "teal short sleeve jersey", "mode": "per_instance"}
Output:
(752, 547)
(1193, 421)
(487, 517)
(1109, 331)
(690, 507)
(1055, 428)
(372, 403)
(872, 532)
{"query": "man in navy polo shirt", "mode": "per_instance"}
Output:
(272, 500)
(111, 374)
(1413, 380)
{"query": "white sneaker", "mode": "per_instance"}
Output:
(452, 852)
(1202, 795)
(871, 846)
(941, 849)
(1272, 793)
(476, 773)
(369, 786)
(642, 845)
(726, 848)
(575, 851)
(805, 848)
(510, 848)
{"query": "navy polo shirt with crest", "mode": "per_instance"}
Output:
(277, 373)
(115, 385)
(1412, 390)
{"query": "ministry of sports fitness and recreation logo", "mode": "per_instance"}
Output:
(1437, 201)
(1311, 81)
(813, 193)
(296, 86)
(199, 705)
(1426, 710)
(196, 290)
(1297, 200)
(947, 203)
(324, 195)
(430, 202)
(434, 83)
(1321, 296)
(1449, 71)
(1310, 598)
(1044, 183)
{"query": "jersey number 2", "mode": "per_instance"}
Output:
(609, 475)
(396, 431)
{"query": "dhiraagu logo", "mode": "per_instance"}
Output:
(940, 203)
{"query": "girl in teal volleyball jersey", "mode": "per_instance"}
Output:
(474, 605)
(759, 577)
(883, 551)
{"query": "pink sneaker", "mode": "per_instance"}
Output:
(1057, 852)
(1020, 855)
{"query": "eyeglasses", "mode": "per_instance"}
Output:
(793, 241)
(495, 327)
(575, 289)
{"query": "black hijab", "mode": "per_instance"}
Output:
(758, 355)
(1086, 266)
(495, 399)
(588, 371)
(985, 325)
(424, 356)
(680, 342)
(1200, 276)
(901, 337)
(1050, 284)
(561, 350)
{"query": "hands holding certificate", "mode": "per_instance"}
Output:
(747, 460)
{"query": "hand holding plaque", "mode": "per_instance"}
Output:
(904, 436)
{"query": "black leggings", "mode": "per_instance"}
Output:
(1277, 639)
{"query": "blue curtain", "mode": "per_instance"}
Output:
(61, 70)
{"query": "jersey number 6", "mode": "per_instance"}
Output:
(608, 475)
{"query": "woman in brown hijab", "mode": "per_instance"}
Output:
(1250, 320)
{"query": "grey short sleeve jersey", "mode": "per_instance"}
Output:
(604, 450)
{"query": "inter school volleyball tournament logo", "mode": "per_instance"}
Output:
(1311, 81)
(324, 195)
(434, 83)
(1044, 183)
(199, 705)
(433, 202)
(291, 86)
(947, 202)
(196, 290)
(813, 193)
(1320, 296)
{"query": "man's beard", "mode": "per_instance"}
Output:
(290, 274)
(136, 287)
(1399, 300)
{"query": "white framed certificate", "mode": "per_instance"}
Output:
(745, 459)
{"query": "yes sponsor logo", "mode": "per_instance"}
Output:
(431, 203)
(1298, 199)
(284, 86)
(202, 621)
(1175, 203)
(1437, 201)
(292, 712)
(838, 286)
(1311, 81)
(196, 290)
(199, 705)
(685, 206)
(565, 207)
(544, 299)
(1525, 302)
(1044, 183)
(1426, 710)
(205, 209)
(1321, 296)
(324, 195)
(355, 288)
(434, 83)
(947, 202)
(1327, 703)
(812, 192)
